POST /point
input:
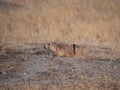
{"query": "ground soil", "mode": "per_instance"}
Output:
(36, 67)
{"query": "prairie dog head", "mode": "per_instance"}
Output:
(51, 46)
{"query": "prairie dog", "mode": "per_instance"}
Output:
(61, 49)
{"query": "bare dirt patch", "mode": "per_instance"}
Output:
(37, 69)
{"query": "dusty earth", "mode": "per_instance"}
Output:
(37, 69)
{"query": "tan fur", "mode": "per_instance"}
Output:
(61, 49)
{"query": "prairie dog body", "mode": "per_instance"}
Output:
(61, 49)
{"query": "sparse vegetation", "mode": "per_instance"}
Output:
(35, 69)
(92, 24)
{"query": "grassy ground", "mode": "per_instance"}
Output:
(84, 21)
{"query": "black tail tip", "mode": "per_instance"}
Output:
(74, 47)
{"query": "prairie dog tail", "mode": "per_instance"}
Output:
(74, 49)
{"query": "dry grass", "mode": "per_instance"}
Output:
(84, 21)
(99, 83)
(77, 87)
